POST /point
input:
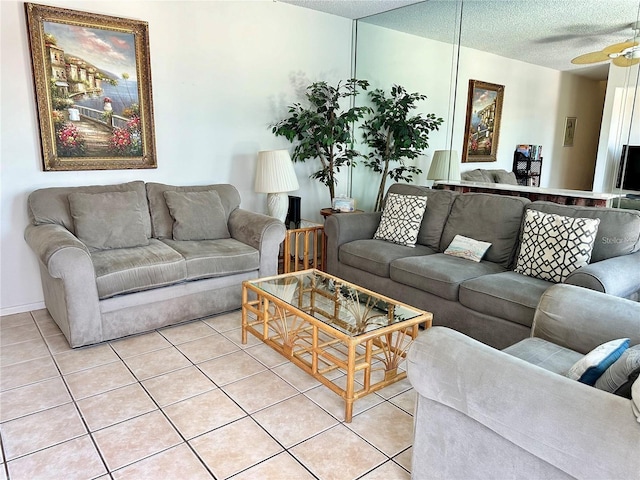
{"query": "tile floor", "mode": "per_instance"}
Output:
(184, 402)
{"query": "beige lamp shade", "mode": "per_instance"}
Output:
(445, 165)
(275, 175)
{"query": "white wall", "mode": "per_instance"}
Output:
(222, 72)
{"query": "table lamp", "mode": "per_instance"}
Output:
(444, 166)
(275, 176)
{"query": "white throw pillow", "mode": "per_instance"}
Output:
(553, 246)
(401, 219)
(635, 398)
(465, 247)
(590, 367)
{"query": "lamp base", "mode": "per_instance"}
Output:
(277, 205)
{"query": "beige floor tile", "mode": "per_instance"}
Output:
(267, 355)
(16, 320)
(406, 401)
(41, 315)
(203, 413)
(393, 389)
(139, 344)
(23, 351)
(135, 439)
(41, 430)
(404, 459)
(259, 391)
(48, 326)
(157, 362)
(388, 471)
(32, 398)
(3, 474)
(176, 463)
(282, 467)
(294, 420)
(179, 385)
(58, 343)
(32, 371)
(187, 332)
(96, 380)
(335, 405)
(19, 333)
(296, 376)
(207, 348)
(235, 336)
(84, 358)
(251, 444)
(338, 454)
(231, 368)
(386, 427)
(225, 321)
(115, 406)
(76, 458)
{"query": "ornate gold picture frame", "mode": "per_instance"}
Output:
(92, 77)
(482, 125)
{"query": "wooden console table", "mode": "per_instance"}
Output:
(556, 195)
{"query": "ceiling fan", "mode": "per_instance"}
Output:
(624, 54)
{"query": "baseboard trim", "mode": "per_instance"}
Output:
(21, 308)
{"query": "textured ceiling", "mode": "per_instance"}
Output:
(542, 32)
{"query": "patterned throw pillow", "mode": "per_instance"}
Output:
(465, 247)
(401, 219)
(553, 246)
(590, 367)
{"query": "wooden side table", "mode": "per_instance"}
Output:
(303, 247)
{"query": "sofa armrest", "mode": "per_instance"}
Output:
(345, 228)
(619, 276)
(68, 281)
(262, 232)
(583, 431)
(581, 319)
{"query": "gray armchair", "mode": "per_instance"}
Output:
(485, 413)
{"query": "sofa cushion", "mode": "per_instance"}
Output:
(507, 295)
(478, 175)
(215, 258)
(553, 246)
(401, 219)
(590, 367)
(51, 205)
(108, 220)
(489, 218)
(544, 354)
(618, 232)
(619, 377)
(439, 274)
(435, 216)
(375, 256)
(161, 219)
(502, 176)
(126, 270)
(197, 215)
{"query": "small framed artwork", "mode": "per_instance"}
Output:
(92, 77)
(482, 125)
(569, 131)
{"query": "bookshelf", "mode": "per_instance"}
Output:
(527, 165)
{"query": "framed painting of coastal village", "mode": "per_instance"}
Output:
(482, 126)
(92, 79)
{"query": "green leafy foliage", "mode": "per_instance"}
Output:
(323, 129)
(395, 136)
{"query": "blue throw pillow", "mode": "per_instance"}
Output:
(590, 367)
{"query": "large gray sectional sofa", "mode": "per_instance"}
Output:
(483, 413)
(142, 275)
(488, 300)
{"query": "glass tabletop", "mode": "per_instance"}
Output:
(343, 305)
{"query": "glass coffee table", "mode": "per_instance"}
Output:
(326, 325)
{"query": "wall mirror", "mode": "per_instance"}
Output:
(436, 47)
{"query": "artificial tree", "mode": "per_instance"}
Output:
(394, 136)
(323, 129)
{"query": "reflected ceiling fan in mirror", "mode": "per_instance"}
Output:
(624, 54)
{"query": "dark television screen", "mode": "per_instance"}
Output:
(631, 180)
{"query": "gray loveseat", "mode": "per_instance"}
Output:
(488, 300)
(122, 259)
(484, 413)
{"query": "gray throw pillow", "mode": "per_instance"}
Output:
(619, 377)
(197, 215)
(108, 220)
